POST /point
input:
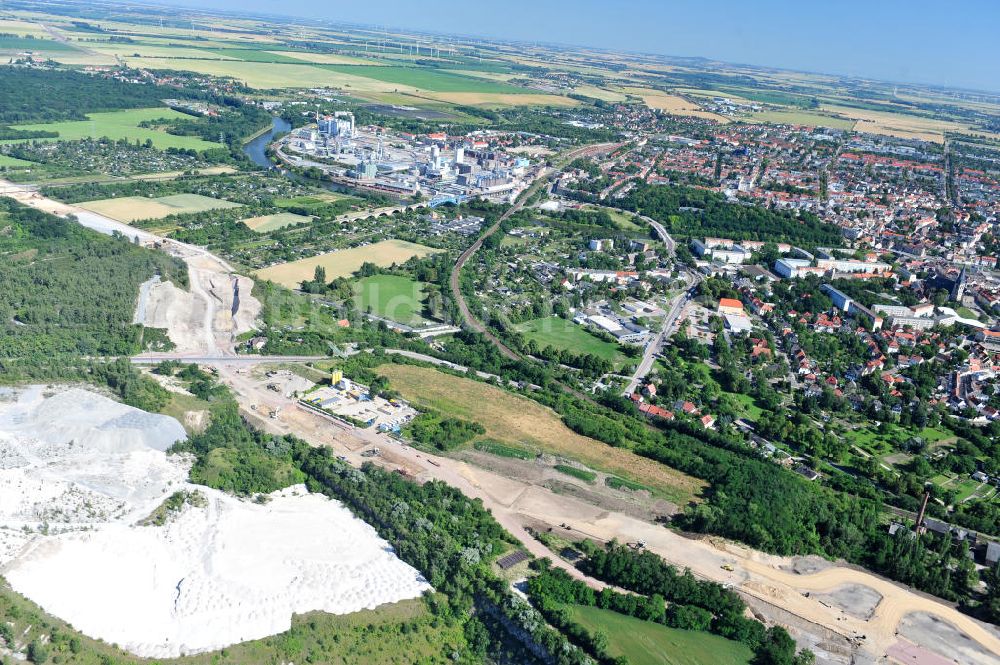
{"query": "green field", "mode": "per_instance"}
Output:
(877, 443)
(18, 44)
(274, 222)
(966, 313)
(122, 125)
(746, 405)
(576, 472)
(425, 78)
(501, 450)
(392, 297)
(562, 334)
(6, 160)
(647, 643)
(254, 55)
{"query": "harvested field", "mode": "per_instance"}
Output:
(518, 421)
(899, 124)
(426, 79)
(806, 118)
(22, 28)
(344, 262)
(274, 222)
(662, 101)
(133, 208)
(326, 58)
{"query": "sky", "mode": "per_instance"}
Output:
(946, 42)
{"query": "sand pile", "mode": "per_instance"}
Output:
(220, 571)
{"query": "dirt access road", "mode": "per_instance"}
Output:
(795, 587)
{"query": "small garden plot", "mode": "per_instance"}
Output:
(133, 208)
(280, 220)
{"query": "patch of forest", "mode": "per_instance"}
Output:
(697, 213)
(66, 290)
(32, 95)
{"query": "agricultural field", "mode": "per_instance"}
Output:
(280, 220)
(21, 28)
(561, 333)
(426, 79)
(648, 643)
(133, 208)
(805, 118)
(498, 100)
(345, 262)
(897, 124)
(123, 125)
(325, 58)
(392, 297)
(663, 101)
(26, 43)
(518, 422)
(255, 55)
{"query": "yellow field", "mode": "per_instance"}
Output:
(897, 124)
(153, 51)
(491, 76)
(266, 223)
(132, 208)
(600, 93)
(662, 101)
(344, 262)
(22, 28)
(801, 117)
(519, 421)
(325, 58)
(128, 209)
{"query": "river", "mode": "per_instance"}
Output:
(256, 149)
